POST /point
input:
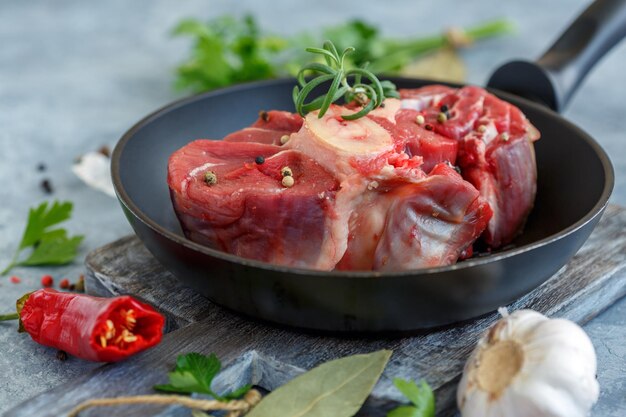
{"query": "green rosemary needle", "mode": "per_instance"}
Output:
(368, 95)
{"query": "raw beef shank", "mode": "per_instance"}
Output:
(383, 192)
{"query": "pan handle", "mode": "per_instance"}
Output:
(555, 77)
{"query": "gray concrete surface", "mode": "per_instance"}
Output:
(75, 75)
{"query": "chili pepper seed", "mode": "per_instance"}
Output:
(47, 281)
(504, 136)
(442, 117)
(284, 139)
(419, 119)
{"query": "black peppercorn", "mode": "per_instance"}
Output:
(46, 186)
(259, 160)
(61, 355)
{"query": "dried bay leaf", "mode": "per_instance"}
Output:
(337, 388)
(442, 65)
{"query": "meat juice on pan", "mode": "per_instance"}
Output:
(378, 193)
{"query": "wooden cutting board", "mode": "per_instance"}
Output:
(268, 356)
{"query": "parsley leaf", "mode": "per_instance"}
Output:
(421, 396)
(228, 50)
(194, 373)
(50, 246)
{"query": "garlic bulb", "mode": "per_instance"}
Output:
(527, 365)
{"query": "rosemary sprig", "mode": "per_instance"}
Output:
(369, 96)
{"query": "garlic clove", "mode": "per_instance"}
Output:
(528, 365)
(94, 169)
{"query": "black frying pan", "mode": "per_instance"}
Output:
(575, 180)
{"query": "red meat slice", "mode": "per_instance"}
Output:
(377, 193)
(402, 225)
(258, 135)
(464, 107)
(269, 128)
(499, 159)
(279, 120)
(503, 170)
(248, 212)
(431, 146)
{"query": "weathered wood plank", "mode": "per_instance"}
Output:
(269, 356)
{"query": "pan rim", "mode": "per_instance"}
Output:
(138, 213)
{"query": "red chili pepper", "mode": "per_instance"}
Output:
(92, 328)
(64, 284)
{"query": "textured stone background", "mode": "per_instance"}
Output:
(75, 75)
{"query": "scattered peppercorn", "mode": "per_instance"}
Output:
(15, 280)
(259, 160)
(382, 105)
(443, 108)
(46, 186)
(284, 139)
(361, 99)
(210, 178)
(47, 281)
(265, 116)
(441, 117)
(80, 284)
(288, 181)
(64, 283)
(41, 167)
(286, 172)
(504, 136)
(61, 355)
(420, 119)
(428, 126)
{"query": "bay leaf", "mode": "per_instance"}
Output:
(442, 65)
(334, 389)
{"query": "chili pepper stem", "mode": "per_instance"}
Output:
(197, 404)
(12, 316)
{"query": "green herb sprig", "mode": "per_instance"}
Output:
(49, 246)
(229, 50)
(370, 96)
(421, 397)
(195, 372)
